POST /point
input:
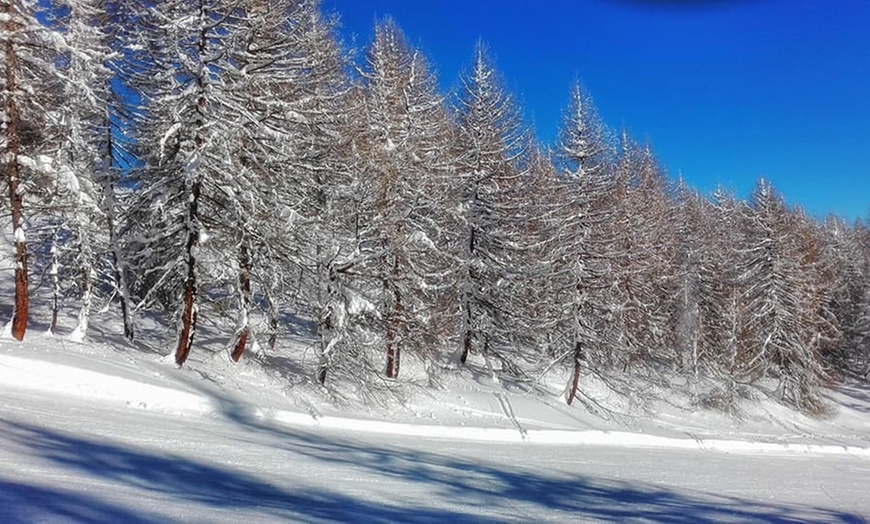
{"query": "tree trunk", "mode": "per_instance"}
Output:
(326, 328)
(13, 181)
(188, 314)
(392, 353)
(273, 320)
(394, 320)
(466, 342)
(575, 381)
(189, 308)
(109, 208)
(85, 312)
(53, 269)
(121, 282)
(245, 305)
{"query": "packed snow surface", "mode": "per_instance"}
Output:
(93, 433)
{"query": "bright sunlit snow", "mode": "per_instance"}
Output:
(92, 433)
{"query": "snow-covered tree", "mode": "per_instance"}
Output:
(853, 297)
(82, 208)
(32, 124)
(298, 117)
(272, 72)
(642, 257)
(120, 117)
(687, 320)
(573, 261)
(188, 146)
(493, 164)
(861, 330)
(720, 305)
(782, 333)
(408, 161)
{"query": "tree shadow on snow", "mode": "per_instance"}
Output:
(483, 492)
(22, 503)
(178, 478)
(513, 493)
(855, 389)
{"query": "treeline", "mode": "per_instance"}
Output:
(164, 155)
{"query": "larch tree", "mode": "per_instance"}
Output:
(856, 314)
(575, 267)
(295, 204)
(120, 117)
(266, 55)
(642, 256)
(861, 329)
(720, 306)
(298, 141)
(782, 342)
(79, 224)
(188, 145)
(409, 163)
(687, 319)
(493, 160)
(32, 95)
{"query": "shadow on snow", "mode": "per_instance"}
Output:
(466, 491)
(176, 478)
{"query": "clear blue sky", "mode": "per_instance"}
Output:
(725, 91)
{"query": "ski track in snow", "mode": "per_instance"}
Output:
(508, 411)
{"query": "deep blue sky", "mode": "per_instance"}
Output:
(725, 91)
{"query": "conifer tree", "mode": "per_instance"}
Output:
(687, 320)
(32, 96)
(781, 331)
(187, 171)
(79, 213)
(720, 306)
(408, 163)
(575, 268)
(493, 161)
(642, 257)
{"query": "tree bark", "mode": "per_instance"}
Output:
(394, 321)
(55, 282)
(189, 307)
(575, 381)
(273, 319)
(13, 180)
(466, 299)
(245, 306)
(188, 314)
(109, 209)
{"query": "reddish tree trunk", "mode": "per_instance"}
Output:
(245, 290)
(13, 180)
(188, 314)
(575, 382)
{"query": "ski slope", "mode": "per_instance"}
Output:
(90, 433)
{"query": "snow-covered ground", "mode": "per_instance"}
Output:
(96, 433)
